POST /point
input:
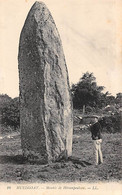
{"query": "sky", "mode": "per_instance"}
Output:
(90, 31)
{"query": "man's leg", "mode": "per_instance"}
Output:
(100, 153)
(96, 152)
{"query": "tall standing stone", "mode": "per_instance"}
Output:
(45, 105)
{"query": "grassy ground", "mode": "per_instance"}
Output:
(13, 168)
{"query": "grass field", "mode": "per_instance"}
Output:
(13, 168)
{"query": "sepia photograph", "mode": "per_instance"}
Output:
(60, 97)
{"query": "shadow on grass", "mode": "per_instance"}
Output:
(18, 159)
(76, 160)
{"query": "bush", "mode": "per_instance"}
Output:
(10, 114)
(7, 129)
(111, 124)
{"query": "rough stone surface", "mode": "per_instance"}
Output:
(46, 111)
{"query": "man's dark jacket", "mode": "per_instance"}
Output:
(96, 131)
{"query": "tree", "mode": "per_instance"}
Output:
(10, 113)
(4, 99)
(87, 92)
(110, 100)
(119, 99)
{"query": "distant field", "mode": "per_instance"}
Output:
(81, 167)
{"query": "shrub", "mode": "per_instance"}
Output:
(111, 124)
(10, 114)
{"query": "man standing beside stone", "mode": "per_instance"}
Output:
(95, 129)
